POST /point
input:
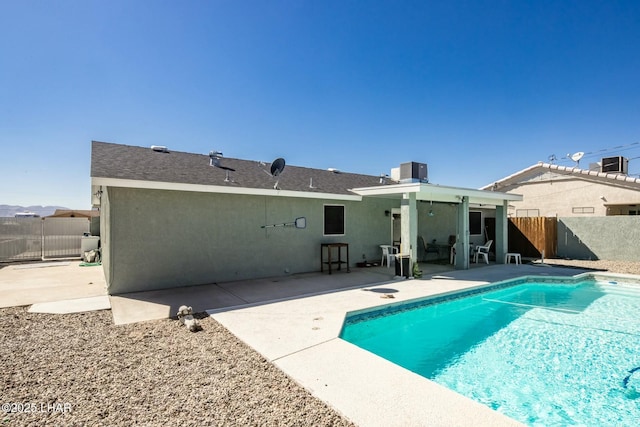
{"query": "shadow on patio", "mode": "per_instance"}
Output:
(160, 304)
(164, 303)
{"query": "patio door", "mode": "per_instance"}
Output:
(396, 229)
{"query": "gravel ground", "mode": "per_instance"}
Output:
(624, 267)
(81, 370)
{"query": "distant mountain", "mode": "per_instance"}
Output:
(11, 210)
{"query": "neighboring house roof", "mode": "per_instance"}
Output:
(72, 213)
(130, 166)
(545, 171)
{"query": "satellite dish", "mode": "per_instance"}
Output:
(577, 156)
(277, 166)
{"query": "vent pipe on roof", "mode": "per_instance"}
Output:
(214, 158)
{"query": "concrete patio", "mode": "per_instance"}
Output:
(49, 282)
(160, 304)
(67, 287)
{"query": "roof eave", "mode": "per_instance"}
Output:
(200, 188)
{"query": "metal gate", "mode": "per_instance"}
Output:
(61, 237)
(38, 238)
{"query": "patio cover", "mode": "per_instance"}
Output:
(409, 193)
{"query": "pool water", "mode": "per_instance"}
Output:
(543, 354)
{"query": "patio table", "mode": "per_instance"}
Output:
(330, 261)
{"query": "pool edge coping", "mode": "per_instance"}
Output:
(486, 287)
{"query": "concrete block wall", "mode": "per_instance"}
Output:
(613, 238)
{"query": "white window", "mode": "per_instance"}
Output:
(527, 212)
(583, 210)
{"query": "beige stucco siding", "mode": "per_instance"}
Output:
(568, 197)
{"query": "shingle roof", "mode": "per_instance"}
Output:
(139, 163)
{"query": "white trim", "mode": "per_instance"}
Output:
(201, 188)
(324, 219)
(438, 193)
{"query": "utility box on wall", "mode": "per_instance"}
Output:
(88, 243)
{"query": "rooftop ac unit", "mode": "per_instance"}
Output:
(616, 164)
(414, 172)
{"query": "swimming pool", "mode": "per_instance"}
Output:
(561, 353)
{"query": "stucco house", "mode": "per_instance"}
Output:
(171, 219)
(552, 190)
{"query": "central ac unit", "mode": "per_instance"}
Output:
(413, 171)
(616, 164)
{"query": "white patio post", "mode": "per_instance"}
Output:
(462, 239)
(409, 225)
(502, 231)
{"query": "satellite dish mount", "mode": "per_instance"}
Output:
(277, 166)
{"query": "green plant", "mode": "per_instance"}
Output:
(416, 270)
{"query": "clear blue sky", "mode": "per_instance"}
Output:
(476, 89)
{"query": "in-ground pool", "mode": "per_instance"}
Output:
(561, 353)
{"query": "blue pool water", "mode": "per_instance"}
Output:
(543, 354)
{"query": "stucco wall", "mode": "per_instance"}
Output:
(158, 239)
(607, 238)
(443, 223)
(439, 226)
(558, 197)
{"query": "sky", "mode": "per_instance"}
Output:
(477, 90)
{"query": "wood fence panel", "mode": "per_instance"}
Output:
(530, 236)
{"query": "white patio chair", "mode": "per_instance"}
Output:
(482, 251)
(388, 253)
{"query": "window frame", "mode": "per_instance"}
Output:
(324, 220)
(583, 210)
(471, 230)
(526, 213)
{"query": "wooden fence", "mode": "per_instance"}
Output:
(530, 236)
